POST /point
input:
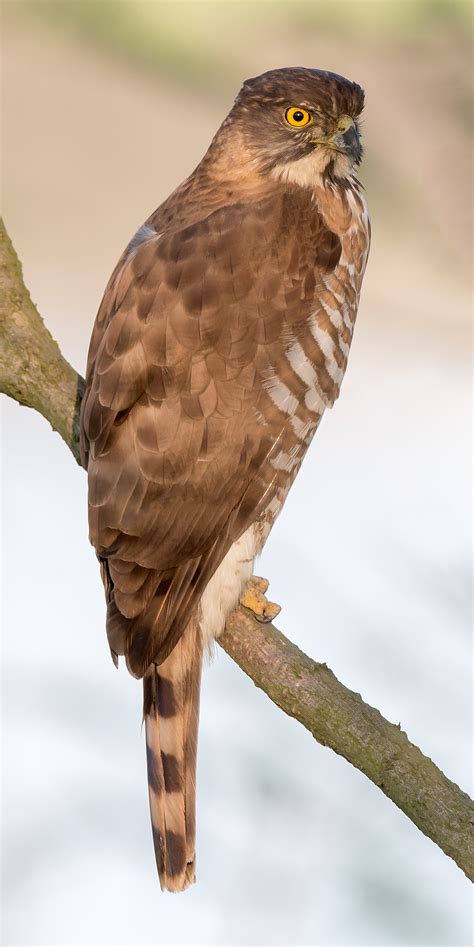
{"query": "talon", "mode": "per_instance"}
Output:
(271, 611)
(254, 599)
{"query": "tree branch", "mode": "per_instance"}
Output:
(339, 718)
(33, 372)
(32, 369)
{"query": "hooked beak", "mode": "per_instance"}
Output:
(347, 139)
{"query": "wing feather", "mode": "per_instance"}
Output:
(172, 419)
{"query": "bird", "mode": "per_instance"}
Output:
(222, 337)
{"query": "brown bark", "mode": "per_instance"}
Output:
(32, 368)
(34, 373)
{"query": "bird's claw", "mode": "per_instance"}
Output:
(253, 598)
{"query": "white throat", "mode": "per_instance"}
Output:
(309, 171)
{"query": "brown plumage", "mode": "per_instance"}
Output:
(171, 713)
(222, 337)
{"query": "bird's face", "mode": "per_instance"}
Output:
(301, 123)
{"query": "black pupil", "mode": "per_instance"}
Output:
(298, 116)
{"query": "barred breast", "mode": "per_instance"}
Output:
(308, 374)
(309, 361)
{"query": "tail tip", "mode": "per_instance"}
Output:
(176, 873)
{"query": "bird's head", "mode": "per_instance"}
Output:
(300, 124)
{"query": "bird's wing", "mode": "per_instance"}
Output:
(172, 423)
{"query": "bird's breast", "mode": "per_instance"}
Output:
(305, 366)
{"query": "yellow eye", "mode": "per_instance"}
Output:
(298, 118)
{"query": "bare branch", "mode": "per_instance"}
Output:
(339, 718)
(32, 368)
(33, 372)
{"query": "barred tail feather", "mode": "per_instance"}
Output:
(171, 713)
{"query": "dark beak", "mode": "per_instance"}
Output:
(349, 143)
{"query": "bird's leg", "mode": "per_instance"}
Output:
(253, 598)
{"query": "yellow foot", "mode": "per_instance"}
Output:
(253, 598)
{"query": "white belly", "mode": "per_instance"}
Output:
(222, 593)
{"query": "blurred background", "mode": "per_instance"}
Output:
(107, 106)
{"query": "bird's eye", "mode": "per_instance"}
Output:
(298, 118)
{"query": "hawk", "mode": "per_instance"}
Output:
(222, 337)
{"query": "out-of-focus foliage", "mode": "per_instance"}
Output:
(191, 39)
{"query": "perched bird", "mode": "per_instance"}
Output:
(222, 337)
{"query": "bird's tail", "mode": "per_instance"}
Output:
(171, 714)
